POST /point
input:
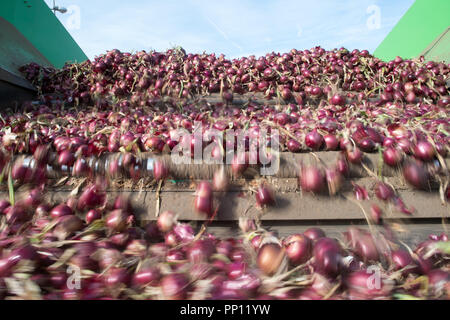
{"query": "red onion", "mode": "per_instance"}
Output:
(240, 163)
(117, 220)
(401, 259)
(147, 277)
(312, 179)
(438, 278)
(362, 285)
(337, 100)
(3, 205)
(80, 168)
(175, 286)
(416, 175)
(326, 254)
(184, 232)
(384, 192)
(60, 211)
(314, 140)
(354, 156)
(92, 216)
(376, 213)
(298, 249)
(294, 146)
(116, 277)
(264, 196)
(204, 199)
(90, 198)
(200, 251)
(314, 234)
(331, 142)
(424, 151)
(392, 157)
(160, 170)
(67, 225)
(66, 158)
(236, 270)
(166, 221)
(334, 180)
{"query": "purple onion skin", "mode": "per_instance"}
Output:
(315, 234)
(298, 249)
(175, 286)
(327, 254)
(147, 277)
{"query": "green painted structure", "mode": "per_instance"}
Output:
(421, 31)
(39, 25)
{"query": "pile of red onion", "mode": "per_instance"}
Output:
(41, 244)
(128, 106)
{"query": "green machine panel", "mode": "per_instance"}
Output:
(421, 31)
(38, 24)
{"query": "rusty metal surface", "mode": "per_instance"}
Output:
(290, 205)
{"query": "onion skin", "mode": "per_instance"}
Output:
(392, 157)
(117, 220)
(326, 253)
(424, 151)
(354, 156)
(92, 216)
(314, 140)
(67, 225)
(66, 158)
(361, 286)
(270, 258)
(175, 287)
(160, 171)
(401, 259)
(416, 175)
(376, 213)
(384, 192)
(331, 142)
(147, 277)
(314, 234)
(294, 146)
(264, 196)
(184, 232)
(334, 180)
(60, 211)
(204, 199)
(201, 251)
(116, 277)
(166, 221)
(298, 249)
(312, 179)
(3, 205)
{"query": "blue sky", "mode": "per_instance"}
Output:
(235, 28)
